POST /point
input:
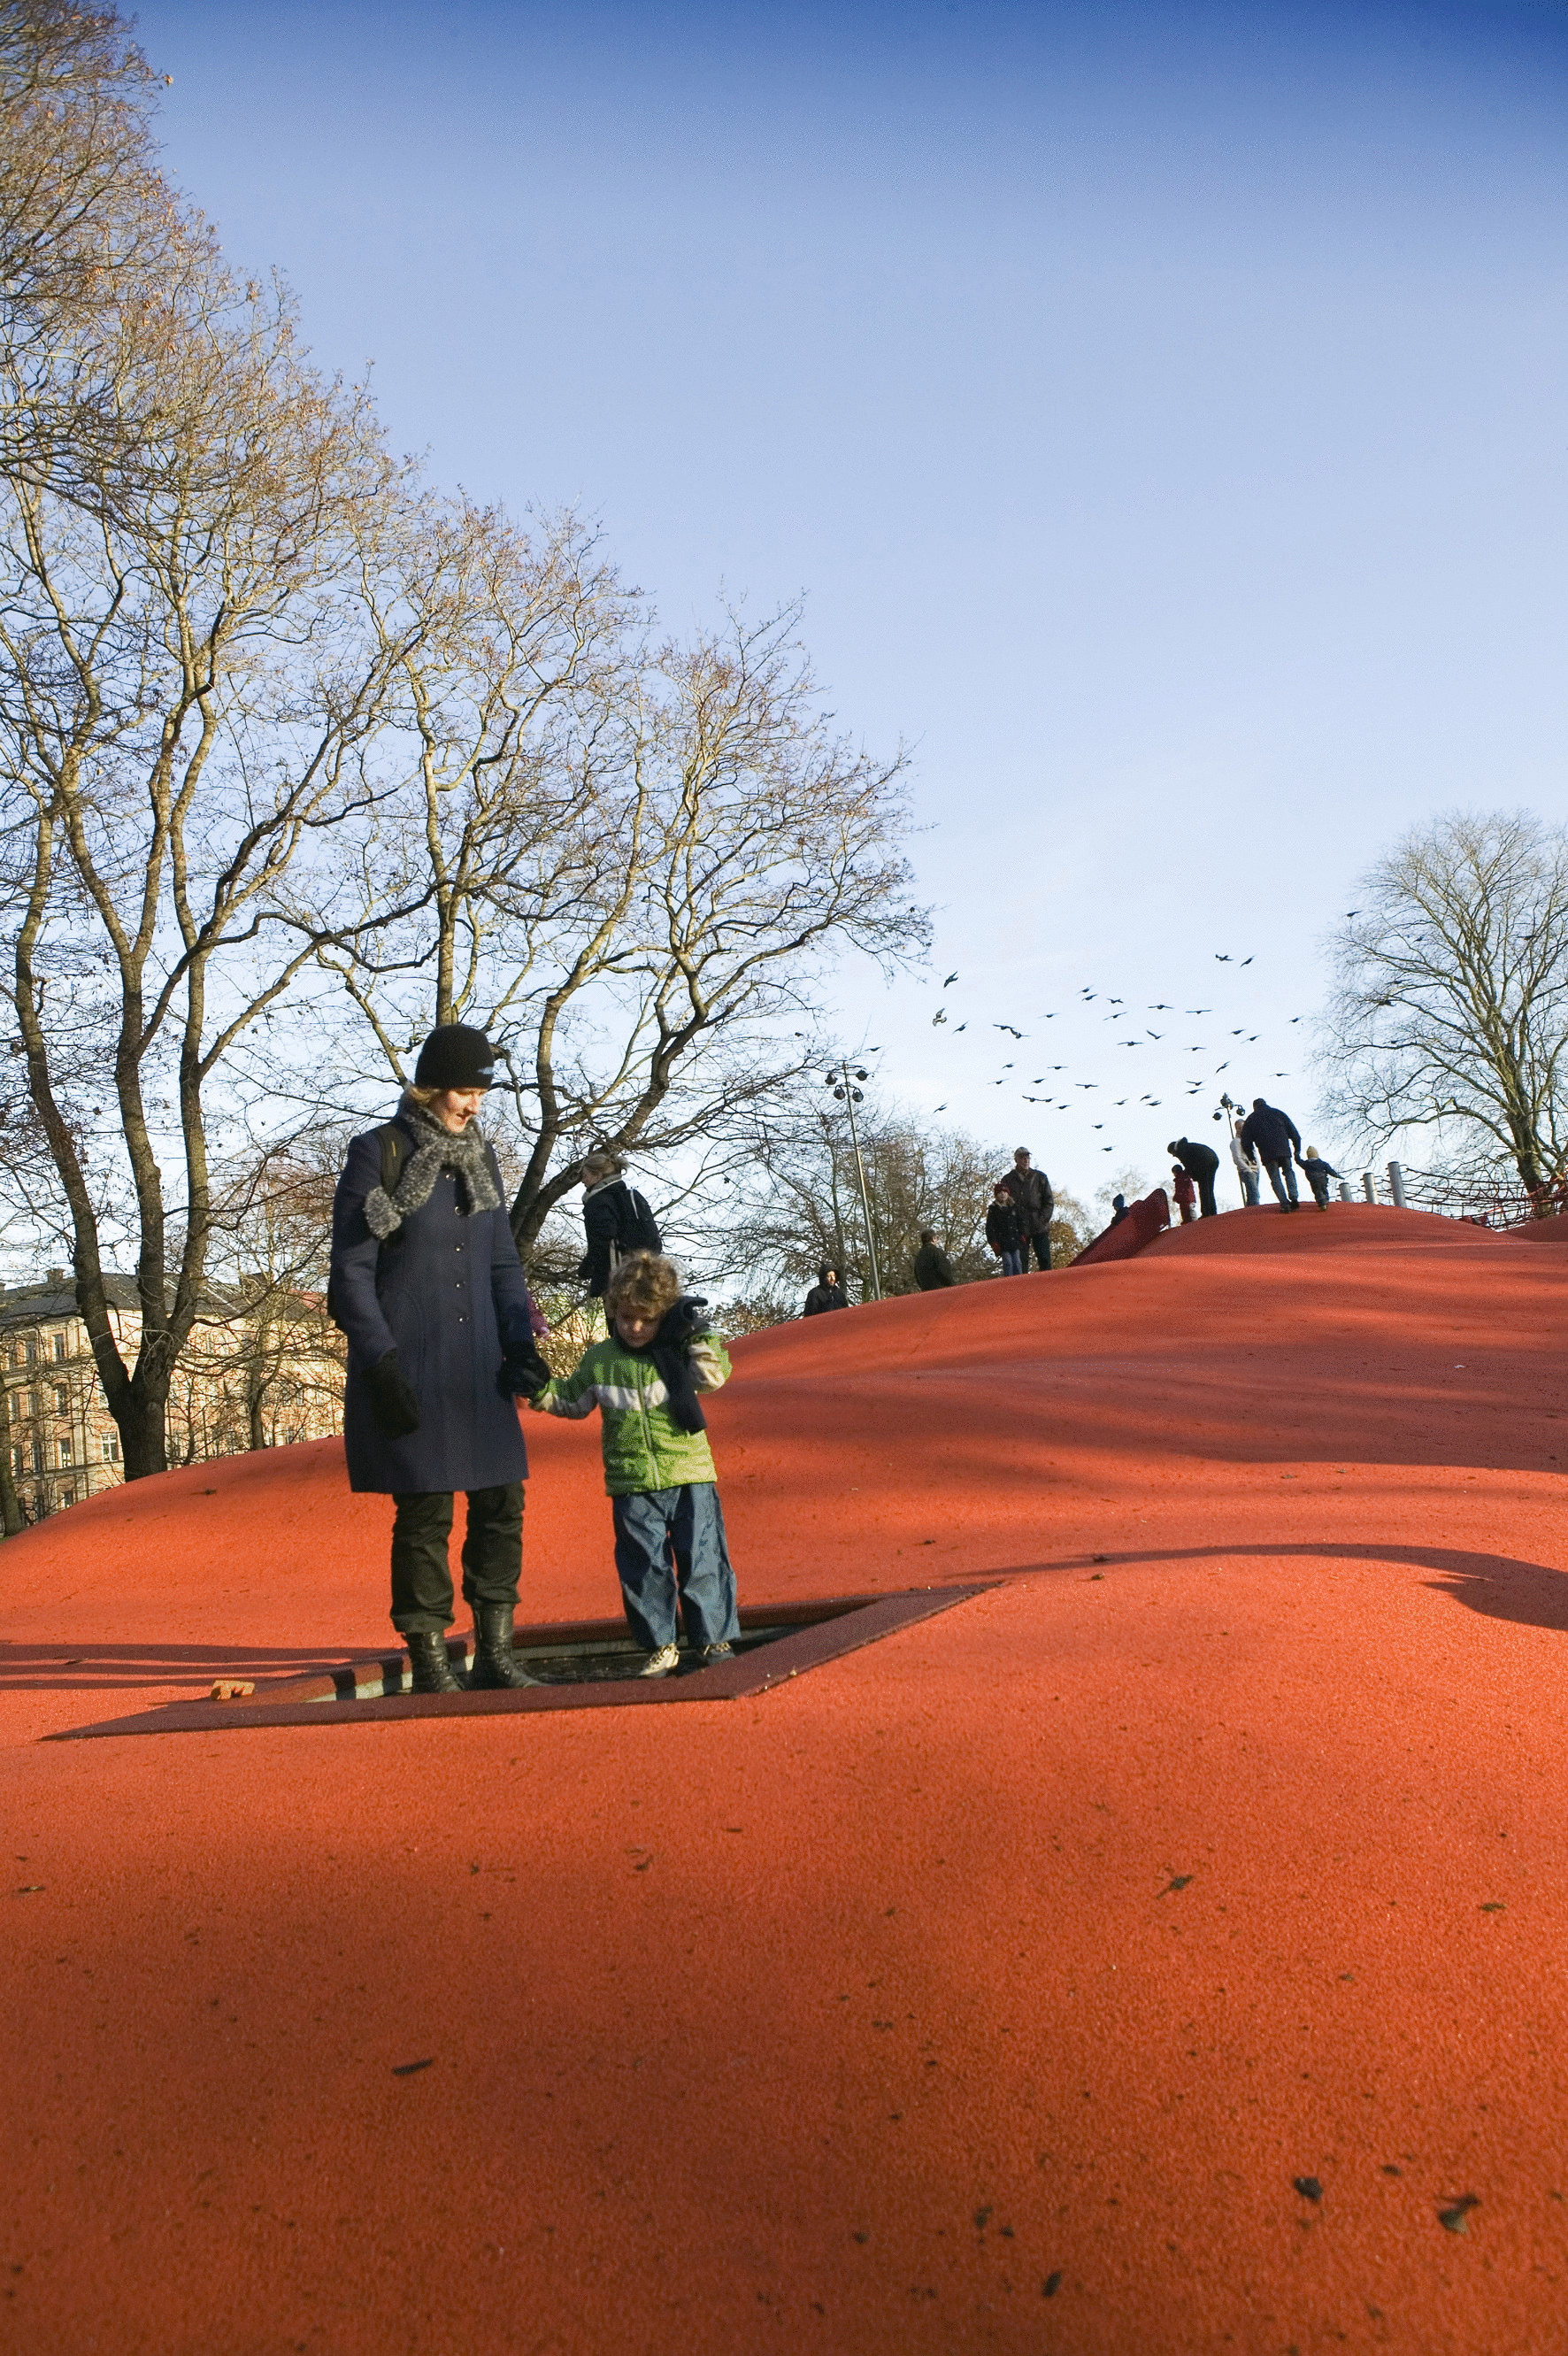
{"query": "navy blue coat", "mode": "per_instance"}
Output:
(446, 1291)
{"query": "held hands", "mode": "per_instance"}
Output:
(523, 1373)
(393, 1402)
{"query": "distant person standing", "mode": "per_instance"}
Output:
(1201, 1165)
(1118, 1209)
(826, 1293)
(1272, 1136)
(932, 1269)
(616, 1220)
(1318, 1173)
(1184, 1193)
(1036, 1207)
(1247, 1171)
(1002, 1231)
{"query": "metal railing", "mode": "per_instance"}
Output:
(1485, 1203)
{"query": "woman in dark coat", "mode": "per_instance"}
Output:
(427, 1285)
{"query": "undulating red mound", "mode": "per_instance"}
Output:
(1161, 1952)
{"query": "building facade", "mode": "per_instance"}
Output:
(257, 1372)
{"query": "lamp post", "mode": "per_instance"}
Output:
(842, 1083)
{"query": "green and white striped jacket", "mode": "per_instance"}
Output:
(643, 1446)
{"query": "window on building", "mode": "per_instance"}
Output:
(38, 1455)
(18, 1462)
(59, 1347)
(32, 1349)
(111, 1444)
(67, 1495)
(62, 1398)
(32, 1399)
(66, 1457)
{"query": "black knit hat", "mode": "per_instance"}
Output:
(454, 1056)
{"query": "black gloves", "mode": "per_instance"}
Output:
(393, 1400)
(682, 1322)
(523, 1371)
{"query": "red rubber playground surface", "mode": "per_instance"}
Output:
(1163, 1951)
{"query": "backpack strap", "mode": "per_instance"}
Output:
(395, 1152)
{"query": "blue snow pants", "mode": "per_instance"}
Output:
(671, 1538)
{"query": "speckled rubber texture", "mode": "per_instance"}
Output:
(1163, 1952)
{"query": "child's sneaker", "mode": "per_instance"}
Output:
(660, 1664)
(711, 1653)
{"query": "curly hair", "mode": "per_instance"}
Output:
(644, 1285)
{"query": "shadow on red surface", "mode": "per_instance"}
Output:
(1531, 1594)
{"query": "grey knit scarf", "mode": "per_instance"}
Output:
(438, 1148)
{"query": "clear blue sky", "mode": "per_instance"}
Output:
(1162, 406)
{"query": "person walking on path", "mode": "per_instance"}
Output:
(1318, 1173)
(826, 1293)
(615, 1219)
(1247, 1171)
(1002, 1231)
(1036, 1207)
(1271, 1136)
(1184, 1194)
(932, 1269)
(1201, 1165)
(426, 1284)
(659, 1466)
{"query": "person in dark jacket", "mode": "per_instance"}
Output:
(1270, 1137)
(427, 1285)
(1201, 1165)
(1318, 1173)
(615, 1220)
(1002, 1231)
(932, 1269)
(826, 1293)
(1036, 1207)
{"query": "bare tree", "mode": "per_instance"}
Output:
(188, 682)
(1450, 1006)
(632, 863)
(89, 244)
(798, 1205)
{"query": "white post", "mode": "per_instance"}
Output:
(1345, 1193)
(1368, 1189)
(1396, 1185)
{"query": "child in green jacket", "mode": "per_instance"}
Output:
(658, 1467)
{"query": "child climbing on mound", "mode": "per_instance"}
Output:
(659, 1468)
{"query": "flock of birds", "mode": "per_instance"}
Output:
(1115, 1010)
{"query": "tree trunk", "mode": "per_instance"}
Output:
(143, 1420)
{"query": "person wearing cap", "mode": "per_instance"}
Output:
(1030, 1191)
(427, 1285)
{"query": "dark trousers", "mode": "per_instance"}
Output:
(1042, 1243)
(1206, 1206)
(671, 1538)
(1282, 1174)
(422, 1573)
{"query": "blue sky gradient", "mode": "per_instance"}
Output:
(1163, 407)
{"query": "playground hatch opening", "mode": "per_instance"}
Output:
(584, 1663)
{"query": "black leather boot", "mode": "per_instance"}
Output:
(494, 1663)
(430, 1666)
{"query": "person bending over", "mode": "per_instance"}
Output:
(658, 1467)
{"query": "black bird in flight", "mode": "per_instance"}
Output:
(950, 980)
(1246, 960)
(1007, 1026)
(1220, 959)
